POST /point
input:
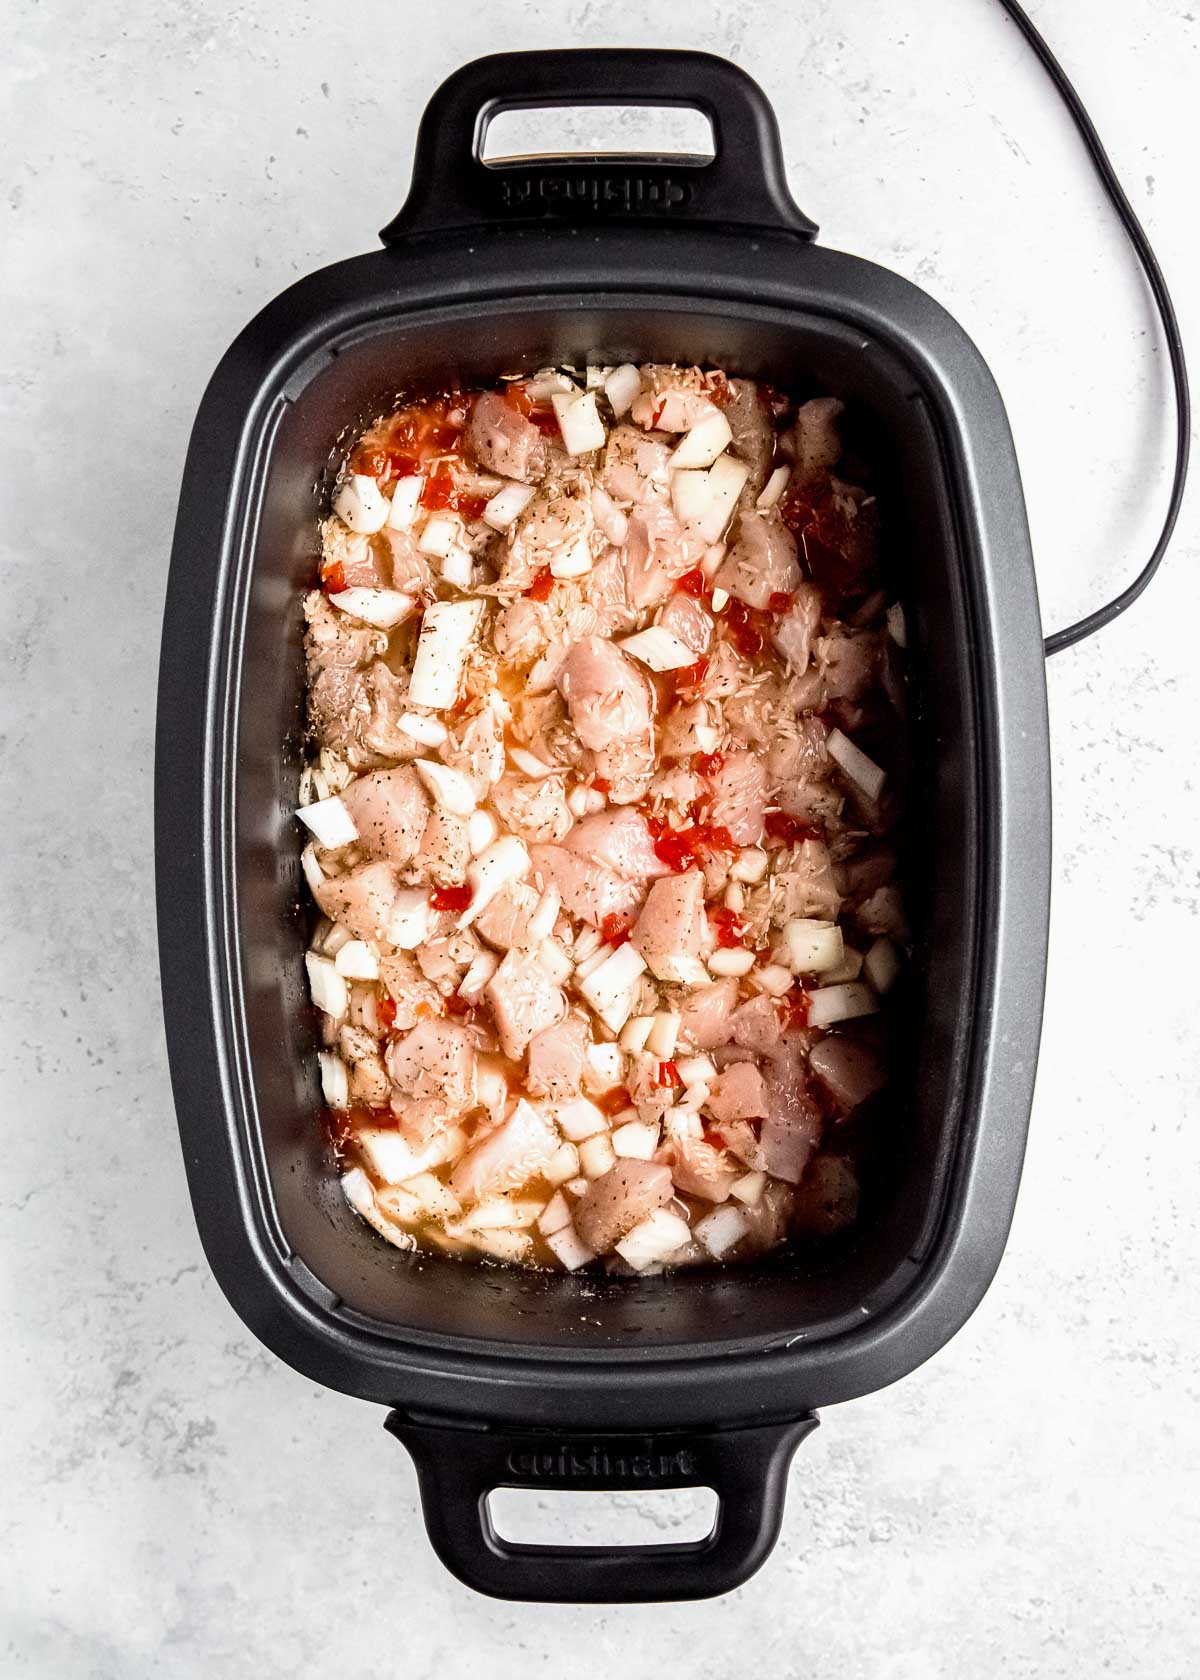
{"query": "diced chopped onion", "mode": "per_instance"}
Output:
(704, 501)
(458, 568)
(721, 1229)
(394, 1159)
(562, 1165)
(479, 972)
(810, 947)
(383, 608)
(549, 382)
(555, 1216)
(429, 731)
(773, 978)
(749, 1188)
(451, 789)
(512, 1246)
(482, 829)
(437, 1201)
(610, 989)
(328, 989)
(577, 1186)
(335, 1082)
(359, 504)
(714, 559)
(690, 495)
(502, 1213)
(636, 1034)
(573, 561)
(897, 628)
(408, 923)
(579, 422)
(680, 968)
(656, 1237)
(506, 504)
(406, 499)
(603, 1067)
(732, 960)
(862, 771)
(596, 801)
(313, 873)
(355, 960)
(504, 860)
(622, 386)
(589, 965)
(735, 896)
(491, 1087)
(830, 1004)
(849, 968)
(577, 801)
(881, 965)
(330, 822)
(579, 1119)
(658, 649)
(636, 1140)
(700, 446)
(544, 915)
(720, 600)
(611, 520)
(440, 533)
(696, 1070)
(328, 940)
(594, 377)
(587, 941)
(567, 1248)
(596, 1155)
(358, 1191)
(774, 487)
(529, 764)
(447, 630)
(663, 1035)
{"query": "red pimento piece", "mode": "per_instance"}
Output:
(402, 464)
(601, 784)
(668, 1077)
(789, 830)
(614, 1101)
(743, 632)
(439, 491)
(780, 601)
(659, 411)
(543, 583)
(691, 676)
(727, 927)
(614, 930)
(449, 898)
(714, 837)
(707, 764)
(333, 577)
(680, 848)
(694, 583)
(385, 1011)
(471, 507)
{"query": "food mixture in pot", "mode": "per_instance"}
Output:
(607, 707)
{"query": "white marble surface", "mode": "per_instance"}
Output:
(176, 1503)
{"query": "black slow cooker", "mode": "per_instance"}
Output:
(504, 1377)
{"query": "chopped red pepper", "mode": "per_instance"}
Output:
(694, 583)
(449, 898)
(659, 411)
(614, 929)
(779, 601)
(614, 1101)
(691, 676)
(668, 1076)
(471, 507)
(707, 764)
(402, 464)
(333, 577)
(789, 830)
(727, 927)
(602, 785)
(543, 583)
(681, 848)
(385, 1011)
(745, 628)
(439, 490)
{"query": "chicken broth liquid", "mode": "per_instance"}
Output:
(607, 711)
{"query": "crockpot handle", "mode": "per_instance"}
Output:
(742, 185)
(459, 1465)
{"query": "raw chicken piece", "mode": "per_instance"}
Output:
(756, 1024)
(409, 567)
(849, 662)
(621, 842)
(738, 1093)
(555, 530)
(589, 891)
(532, 809)
(791, 1129)
(816, 440)
(761, 561)
(883, 912)
(753, 434)
(610, 701)
(556, 1058)
(508, 1156)
(612, 1205)
(700, 1170)
(674, 398)
(805, 884)
(361, 900)
(635, 467)
(706, 1015)
(444, 852)
(795, 632)
(339, 709)
(390, 811)
(504, 922)
(436, 1059)
(476, 747)
(739, 796)
(658, 551)
(524, 1000)
(331, 640)
(669, 929)
(687, 730)
(504, 441)
(798, 755)
(603, 589)
(414, 997)
(827, 1200)
(685, 618)
(768, 1219)
(362, 564)
(850, 1070)
(871, 867)
(523, 629)
(446, 959)
(387, 699)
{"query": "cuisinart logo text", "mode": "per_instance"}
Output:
(601, 189)
(564, 1463)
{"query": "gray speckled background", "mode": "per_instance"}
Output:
(176, 1503)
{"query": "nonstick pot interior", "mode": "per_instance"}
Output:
(351, 1270)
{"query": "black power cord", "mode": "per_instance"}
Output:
(1166, 309)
